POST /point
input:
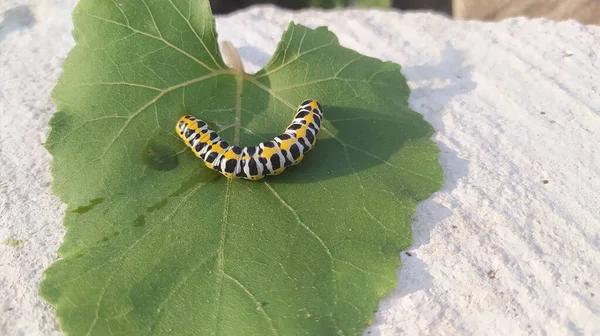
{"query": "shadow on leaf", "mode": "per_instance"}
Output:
(353, 140)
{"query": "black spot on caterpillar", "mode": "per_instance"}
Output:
(254, 162)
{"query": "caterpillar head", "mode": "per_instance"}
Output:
(319, 107)
(181, 126)
(312, 105)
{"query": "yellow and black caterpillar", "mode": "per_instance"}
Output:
(254, 162)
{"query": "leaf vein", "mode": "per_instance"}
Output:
(154, 100)
(345, 80)
(255, 301)
(299, 221)
(97, 316)
(159, 38)
(121, 10)
(153, 20)
(180, 283)
(348, 64)
(121, 83)
(292, 60)
(187, 20)
(376, 157)
(365, 271)
(385, 228)
(221, 255)
(183, 201)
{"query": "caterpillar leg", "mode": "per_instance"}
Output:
(278, 171)
(299, 159)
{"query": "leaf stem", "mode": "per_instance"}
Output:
(232, 58)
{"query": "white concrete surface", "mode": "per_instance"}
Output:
(509, 246)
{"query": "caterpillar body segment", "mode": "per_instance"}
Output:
(254, 162)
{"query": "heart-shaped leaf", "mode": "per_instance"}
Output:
(159, 244)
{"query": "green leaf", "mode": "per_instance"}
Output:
(159, 244)
(373, 3)
(328, 4)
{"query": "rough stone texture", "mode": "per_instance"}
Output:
(585, 11)
(509, 246)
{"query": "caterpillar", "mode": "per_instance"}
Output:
(254, 162)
